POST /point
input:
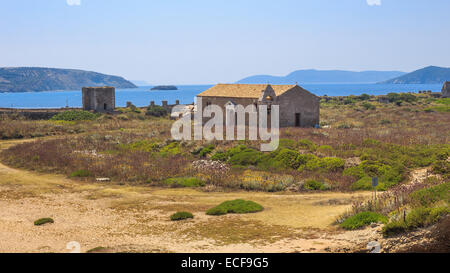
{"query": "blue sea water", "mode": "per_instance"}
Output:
(186, 94)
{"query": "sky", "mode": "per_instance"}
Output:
(212, 41)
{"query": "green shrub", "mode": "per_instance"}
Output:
(288, 158)
(429, 196)
(182, 215)
(43, 221)
(368, 142)
(356, 172)
(242, 156)
(314, 185)
(75, 116)
(368, 106)
(402, 97)
(325, 149)
(441, 167)
(187, 182)
(365, 184)
(307, 144)
(141, 145)
(80, 173)
(287, 143)
(156, 111)
(417, 218)
(394, 227)
(219, 156)
(363, 219)
(170, 149)
(206, 150)
(238, 206)
(330, 164)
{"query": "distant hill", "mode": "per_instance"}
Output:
(427, 75)
(34, 79)
(324, 76)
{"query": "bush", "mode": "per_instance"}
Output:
(170, 149)
(219, 156)
(43, 221)
(394, 228)
(75, 116)
(325, 149)
(307, 144)
(80, 173)
(427, 197)
(399, 98)
(188, 182)
(183, 215)
(441, 167)
(417, 218)
(243, 156)
(238, 206)
(288, 158)
(368, 106)
(156, 111)
(314, 185)
(287, 143)
(363, 219)
(331, 164)
(206, 150)
(365, 184)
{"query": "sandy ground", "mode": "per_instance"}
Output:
(136, 218)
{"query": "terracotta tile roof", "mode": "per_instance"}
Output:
(242, 90)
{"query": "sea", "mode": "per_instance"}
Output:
(186, 94)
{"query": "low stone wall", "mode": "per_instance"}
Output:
(35, 114)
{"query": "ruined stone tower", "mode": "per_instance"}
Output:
(446, 90)
(99, 99)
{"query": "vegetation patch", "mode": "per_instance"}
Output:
(75, 116)
(417, 218)
(429, 196)
(182, 215)
(43, 221)
(314, 185)
(363, 219)
(188, 182)
(80, 173)
(238, 206)
(156, 111)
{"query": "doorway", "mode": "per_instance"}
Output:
(298, 120)
(105, 106)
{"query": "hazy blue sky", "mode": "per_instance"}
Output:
(209, 41)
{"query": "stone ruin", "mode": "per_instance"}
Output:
(99, 99)
(446, 90)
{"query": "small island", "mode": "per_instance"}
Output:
(165, 87)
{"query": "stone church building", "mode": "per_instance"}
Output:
(298, 107)
(99, 99)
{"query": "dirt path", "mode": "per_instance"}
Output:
(135, 218)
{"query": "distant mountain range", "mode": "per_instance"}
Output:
(324, 76)
(34, 79)
(427, 75)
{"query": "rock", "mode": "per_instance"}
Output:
(103, 179)
(352, 162)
